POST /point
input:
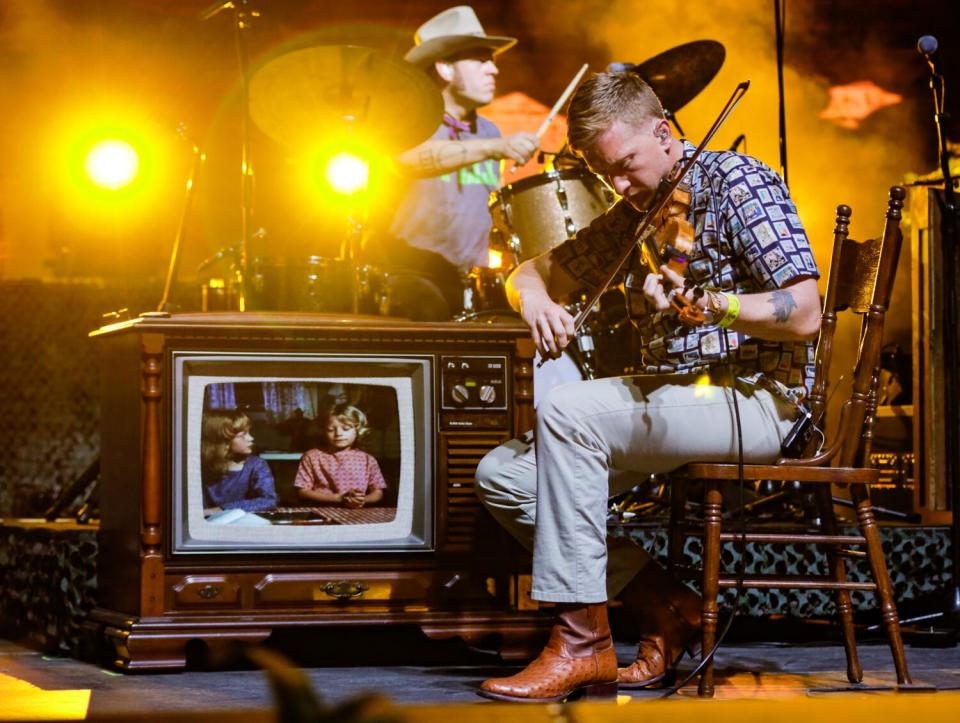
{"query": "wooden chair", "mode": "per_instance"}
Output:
(860, 281)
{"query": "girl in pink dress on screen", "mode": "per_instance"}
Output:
(339, 474)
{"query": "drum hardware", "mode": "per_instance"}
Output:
(584, 354)
(315, 284)
(562, 198)
(484, 293)
(352, 250)
(173, 267)
(227, 252)
(505, 238)
(243, 14)
(470, 300)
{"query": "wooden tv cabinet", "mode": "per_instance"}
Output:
(153, 602)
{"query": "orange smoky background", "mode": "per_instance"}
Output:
(857, 110)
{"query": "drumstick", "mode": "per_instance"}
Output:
(561, 100)
(557, 106)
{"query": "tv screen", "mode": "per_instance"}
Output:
(301, 452)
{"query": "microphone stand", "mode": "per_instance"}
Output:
(779, 19)
(949, 224)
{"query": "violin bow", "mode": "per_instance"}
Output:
(643, 233)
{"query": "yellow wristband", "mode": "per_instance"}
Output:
(732, 312)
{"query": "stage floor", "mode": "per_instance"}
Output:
(34, 686)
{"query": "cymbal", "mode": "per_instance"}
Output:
(308, 94)
(678, 75)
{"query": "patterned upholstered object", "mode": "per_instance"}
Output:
(918, 558)
(49, 577)
(50, 377)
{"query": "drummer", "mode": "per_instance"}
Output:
(441, 225)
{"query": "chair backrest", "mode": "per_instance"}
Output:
(860, 281)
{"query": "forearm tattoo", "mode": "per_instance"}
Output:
(783, 305)
(450, 155)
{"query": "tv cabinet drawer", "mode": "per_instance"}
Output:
(311, 589)
(205, 591)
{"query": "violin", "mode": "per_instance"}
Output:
(668, 241)
(664, 230)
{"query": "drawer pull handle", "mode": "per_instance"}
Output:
(344, 590)
(209, 592)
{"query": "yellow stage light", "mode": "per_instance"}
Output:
(495, 259)
(112, 164)
(347, 173)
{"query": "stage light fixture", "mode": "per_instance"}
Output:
(347, 173)
(495, 259)
(112, 164)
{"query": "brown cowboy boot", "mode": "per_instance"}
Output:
(668, 618)
(579, 658)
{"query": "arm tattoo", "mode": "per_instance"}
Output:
(783, 304)
(425, 160)
(452, 155)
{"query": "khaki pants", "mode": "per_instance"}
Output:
(598, 438)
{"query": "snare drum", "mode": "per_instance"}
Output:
(537, 213)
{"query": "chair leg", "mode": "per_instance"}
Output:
(838, 568)
(878, 566)
(712, 509)
(678, 506)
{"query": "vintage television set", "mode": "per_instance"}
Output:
(177, 565)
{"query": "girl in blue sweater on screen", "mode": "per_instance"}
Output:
(233, 477)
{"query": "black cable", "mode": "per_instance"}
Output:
(725, 356)
(780, 15)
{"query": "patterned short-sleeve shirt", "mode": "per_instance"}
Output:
(748, 239)
(348, 469)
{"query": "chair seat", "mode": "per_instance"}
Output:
(780, 473)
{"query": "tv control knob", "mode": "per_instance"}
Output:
(460, 393)
(488, 394)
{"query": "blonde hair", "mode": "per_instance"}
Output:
(349, 414)
(219, 429)
(604, 98)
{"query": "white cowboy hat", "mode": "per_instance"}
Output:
(450, 32)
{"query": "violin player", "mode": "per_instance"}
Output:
(750, 279)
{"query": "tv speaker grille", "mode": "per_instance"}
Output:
(464, 511)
